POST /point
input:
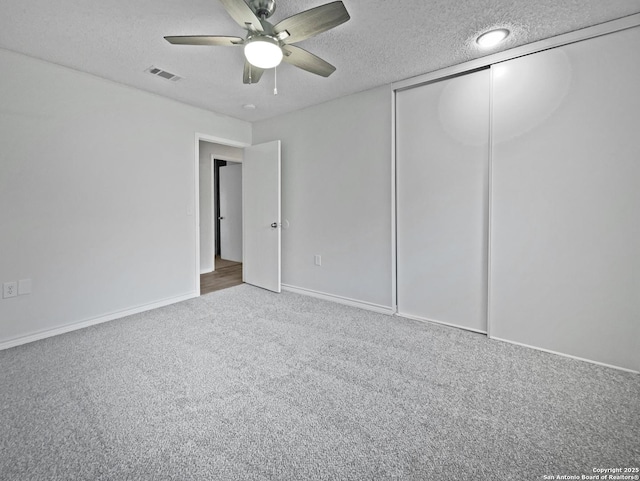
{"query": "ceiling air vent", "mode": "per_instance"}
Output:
(163, 73)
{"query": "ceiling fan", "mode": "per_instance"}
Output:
(266, 45)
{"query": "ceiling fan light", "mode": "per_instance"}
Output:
(263, 52)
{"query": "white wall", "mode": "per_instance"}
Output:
(207, 197)
(336, 194)
(219, 151)
(97, 188)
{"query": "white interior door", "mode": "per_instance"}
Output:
(261, 215)
(230, 177)
(565, 255)
(442, 194)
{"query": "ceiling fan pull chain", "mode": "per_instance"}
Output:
(275, 80)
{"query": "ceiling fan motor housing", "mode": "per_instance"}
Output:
(263, 8)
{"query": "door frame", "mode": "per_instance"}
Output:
(196, 217)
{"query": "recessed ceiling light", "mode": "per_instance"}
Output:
(492, 37)
(249, 107)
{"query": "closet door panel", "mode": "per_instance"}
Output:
(565, 245)
(442, 132)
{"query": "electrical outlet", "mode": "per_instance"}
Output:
(10, 289)
(317, 260)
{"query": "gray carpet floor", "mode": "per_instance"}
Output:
(243, 384)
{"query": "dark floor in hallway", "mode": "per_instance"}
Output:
(227, 274)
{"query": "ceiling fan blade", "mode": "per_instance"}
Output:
(306, 61)
(216, 40)
(251, 71)
(242, 14)
(312, 22)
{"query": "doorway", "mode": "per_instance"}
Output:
(260, 207)
(220, 216)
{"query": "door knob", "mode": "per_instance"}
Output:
(220, 218)
(274, 225)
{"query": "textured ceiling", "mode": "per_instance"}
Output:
(385, 41)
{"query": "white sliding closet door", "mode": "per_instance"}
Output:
(565, 220)
(442, 135)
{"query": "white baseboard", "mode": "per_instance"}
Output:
(91, 322)
(442, 323)
(369, 306)
(565, 355)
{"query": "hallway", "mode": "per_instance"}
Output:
(227, 274)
